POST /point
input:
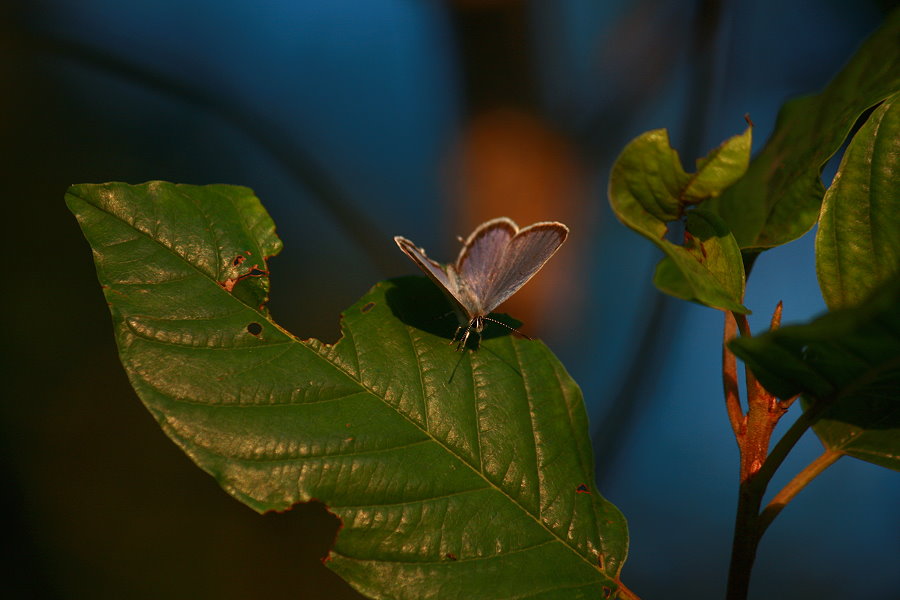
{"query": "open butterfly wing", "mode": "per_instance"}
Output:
(521, 257)
(480, 255)
(434, 271)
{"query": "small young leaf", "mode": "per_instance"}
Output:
(456, 475)
(849, 359)
(858, 241)
(779, 198)
(708, 268)
(648, 188)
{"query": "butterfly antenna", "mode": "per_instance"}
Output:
(508, 327)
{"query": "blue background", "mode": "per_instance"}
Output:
(375, 98)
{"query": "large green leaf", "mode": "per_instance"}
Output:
(455, 475)
(779, 198)
(648, 189)
(849, 360)
(858, 241)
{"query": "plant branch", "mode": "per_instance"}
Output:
(754, 389)
(753, 437)
(787, 403)
(749, 523)
(745, 541)
(790, 439)
(775, 323)
(793, 487)
(742, 324)
(729, 380)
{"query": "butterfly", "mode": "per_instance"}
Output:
(495, 261)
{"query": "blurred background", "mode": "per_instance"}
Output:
(355, 121)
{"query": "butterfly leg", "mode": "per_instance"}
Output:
(456, 335)
(473, 325)
(476, 325)
(465, 338)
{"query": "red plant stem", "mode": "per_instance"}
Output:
(745, 541)
(729, 381)
(749, 523)
(763, 414)
(753, 438)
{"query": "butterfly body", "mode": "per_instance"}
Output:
(495, 261)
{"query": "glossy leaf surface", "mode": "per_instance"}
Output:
(849, 359)
(649, 189)
(455, 475)
(779, 198)
(858, 240)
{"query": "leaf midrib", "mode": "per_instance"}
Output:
(351, 377)
(447, 449)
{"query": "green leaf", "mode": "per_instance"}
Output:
(779, 198)
(708, 269)
(648, 189)
(648, 186)
(868, 430)
(858, 241)
(848, 359)
(456, 475)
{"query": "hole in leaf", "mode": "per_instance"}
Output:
(369, 306)
(254, 328)
(299, 539)
(675, 231)
(229, 284)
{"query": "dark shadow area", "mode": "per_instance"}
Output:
(100, 504)
(419, 303)
(871, 413)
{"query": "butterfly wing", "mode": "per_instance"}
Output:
(479, 257)
(498, 258)
(436, 273)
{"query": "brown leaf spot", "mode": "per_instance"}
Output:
(229, 283)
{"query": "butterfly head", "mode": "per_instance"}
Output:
(476, 325)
